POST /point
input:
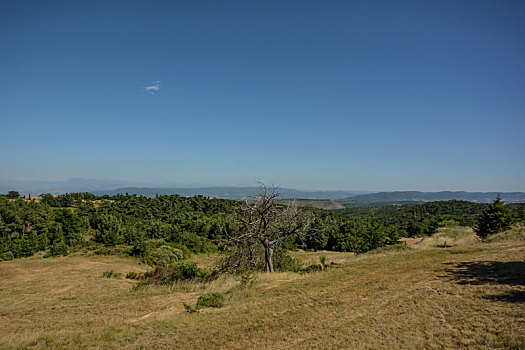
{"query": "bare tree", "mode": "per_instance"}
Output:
(266, 223)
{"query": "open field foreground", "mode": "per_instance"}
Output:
(470, 295)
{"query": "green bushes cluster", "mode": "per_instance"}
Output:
(185, 271)
(163, 256)
(132, 275)
(188, 224)
(213, 299)
(285, 263)
(28, 227)
(111, 274)
(6, 256)
(180, 271)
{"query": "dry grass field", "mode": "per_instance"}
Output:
(470, 295)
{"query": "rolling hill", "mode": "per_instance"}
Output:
(416, 196)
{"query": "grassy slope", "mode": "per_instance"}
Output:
(470, 295)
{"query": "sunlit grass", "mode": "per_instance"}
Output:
(413, 298)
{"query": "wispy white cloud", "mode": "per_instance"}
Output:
(152, 88)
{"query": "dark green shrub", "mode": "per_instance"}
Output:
(157, 275)
(7, 256)
(177, 272)
(57, 249)
(185, 271)
(284, 262)
(132, 275)
(210, 300)
(111, 274)
(496, 218)
(109, 230)
(139, 248)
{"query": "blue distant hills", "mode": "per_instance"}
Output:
(416, 196)
(236, 193)
(102, 187)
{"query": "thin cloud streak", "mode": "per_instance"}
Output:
(152, 88)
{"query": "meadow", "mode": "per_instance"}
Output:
(468, 295)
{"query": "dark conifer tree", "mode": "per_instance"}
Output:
(496, 218)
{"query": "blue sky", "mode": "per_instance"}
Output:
(355, 95)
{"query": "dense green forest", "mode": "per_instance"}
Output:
(410, 220)
(139, 225)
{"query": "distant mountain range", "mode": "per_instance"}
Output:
(236, 193)
(416, 196)
(343, 197)
(57, 187)
(346, 198)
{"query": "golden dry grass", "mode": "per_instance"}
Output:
(468, 296)
(449, 237)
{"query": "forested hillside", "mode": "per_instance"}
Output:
(138, 225)
(417, 219)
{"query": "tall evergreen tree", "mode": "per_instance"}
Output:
(496, 218)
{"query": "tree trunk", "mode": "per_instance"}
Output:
(268, 257)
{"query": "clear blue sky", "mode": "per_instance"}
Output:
(357, 95)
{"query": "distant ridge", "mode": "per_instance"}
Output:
(236, 193)
(416, 196)
(346, 198)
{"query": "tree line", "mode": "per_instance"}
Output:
(411, 220)
(171, 224)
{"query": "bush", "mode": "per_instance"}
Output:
(111, 274)
(185, 271)
(213, 299)
(7, 256)
(139, 248)
(132, 275)
(109, 230)
(284, 262)
(58, 248)
(163, 256)
(177, 272)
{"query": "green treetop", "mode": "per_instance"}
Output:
(496, 218)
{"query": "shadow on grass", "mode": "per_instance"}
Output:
(492, 272)
(516, 296)
(489, 272)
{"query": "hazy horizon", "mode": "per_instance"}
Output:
(354, 96)
(115, 184)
